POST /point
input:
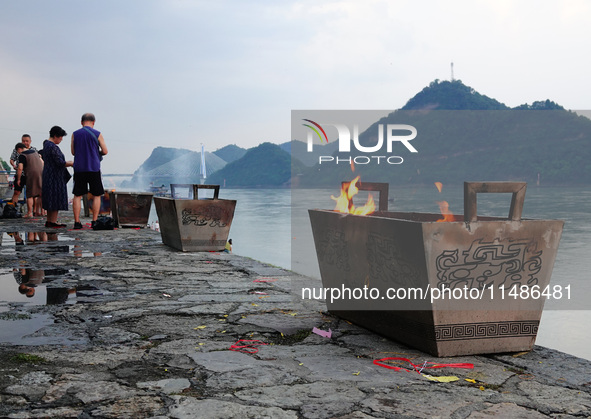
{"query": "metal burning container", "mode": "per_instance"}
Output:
(131, 209)
(192, 224)
(470, 286)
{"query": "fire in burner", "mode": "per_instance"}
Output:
(344, 203)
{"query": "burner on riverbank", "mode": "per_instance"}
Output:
(472, 285)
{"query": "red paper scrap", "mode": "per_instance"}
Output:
(265, 280)
(248, 348)
(418, 368)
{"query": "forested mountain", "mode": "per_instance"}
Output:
(457, 146)
(230, 153)
(451, 95)
(454, 95)
(465, 136)
(264, 166)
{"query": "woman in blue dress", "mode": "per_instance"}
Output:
(55, 177)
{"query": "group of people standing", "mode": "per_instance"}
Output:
(45, 174)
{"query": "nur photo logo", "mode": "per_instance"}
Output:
(391, 135)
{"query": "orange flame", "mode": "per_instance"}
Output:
(444, 207)
(344, 203)
(447, 214)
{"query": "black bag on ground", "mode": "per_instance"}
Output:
(104, 223)
(10, 211)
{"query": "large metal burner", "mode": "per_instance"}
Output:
(193, 224)
(131, 209)
(481, 259)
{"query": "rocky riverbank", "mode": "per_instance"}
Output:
(132, 328)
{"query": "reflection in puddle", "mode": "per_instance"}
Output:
(25, 286)
(22, 288)
(43, 241)
(35, 287)
(31, 237)
(80, 253)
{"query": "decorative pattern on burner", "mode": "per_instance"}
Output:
(498, 263)
(333, 250)
(211, 216)
(490, 330)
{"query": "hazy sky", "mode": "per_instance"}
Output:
(182, 73)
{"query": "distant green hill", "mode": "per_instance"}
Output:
(541, 105)
(451, 95)
(454, 95)
(465, 136)
(264, 166)
(230, 153)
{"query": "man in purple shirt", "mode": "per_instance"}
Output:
(88, 149)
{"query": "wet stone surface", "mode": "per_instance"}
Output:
(123, 326)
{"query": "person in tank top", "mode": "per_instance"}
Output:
(88, 149)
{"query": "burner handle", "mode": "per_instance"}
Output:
(380, 187)
(473, 188)
(195, 189)
(216, 190)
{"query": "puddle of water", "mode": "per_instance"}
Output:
(80, 252)
(16, 238)
(37, 329)
(18, 241)
(43, 241)
(21, 288)
(15, 331)
(88, 254)
(24, 286)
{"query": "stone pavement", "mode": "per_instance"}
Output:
(146, 332)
